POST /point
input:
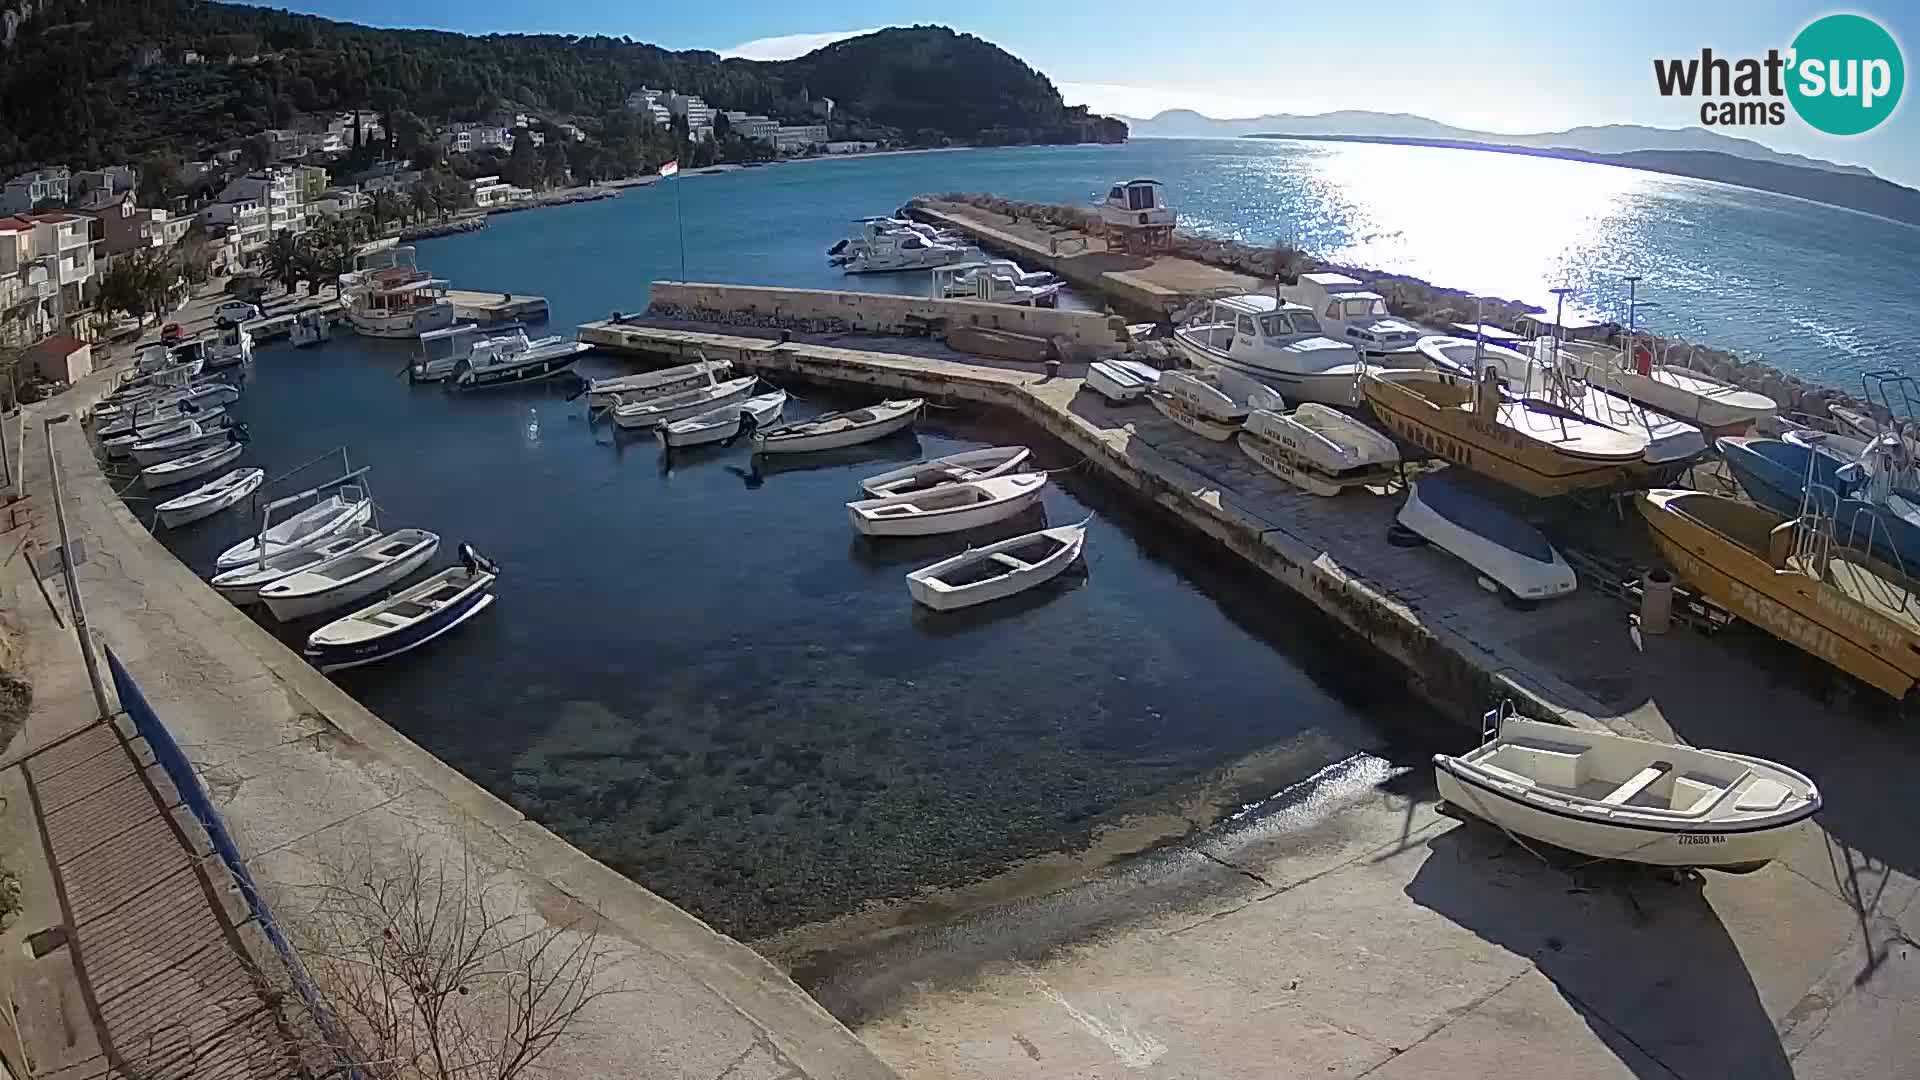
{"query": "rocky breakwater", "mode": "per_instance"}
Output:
(1418, 300)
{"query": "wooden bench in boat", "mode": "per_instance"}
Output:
(1638, 783)
(1010, 562)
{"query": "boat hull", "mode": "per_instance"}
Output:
(1705, 847)
(247, 551)
(241, 585)
(1525, 577)
(952, 469)
(727, 428)
(1717, 408)
(1279, 459)
(303, 605)
(1117, 384)
(527, 370)
(175, 477)
(834, 440)
(948, 521)
(604, 392)
(341, 657)
(930, 595)
(188, 514)
(653, 418)
(157, 454)
(1339, 388)
(1181, 412)
(410, 325)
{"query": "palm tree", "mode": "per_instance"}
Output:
(283, 259)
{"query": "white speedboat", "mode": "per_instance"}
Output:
(1211, 402)
(242, 584)
(473, 359)
(987, 283)
(307, 529)
(1457, 512)
(980, 574)
(345, 579)
(408, 619)
(1719, 407)
(952, 469)
(883, 250)
(195, 436)
(192, 467)
(725, 423)
(960, 284)
(1121, 381)
(651, 412)
(210, 498)
(646, 384)
(831, 431)
(310, 328)
(949, 507)
(1318, 449)
(1354, 314)
(1279, 344)
(1635, 800)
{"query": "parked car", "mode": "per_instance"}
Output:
(171, 334)
(235, 312)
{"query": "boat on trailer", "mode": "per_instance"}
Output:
(1461, 514)
(949, 507)
(952, 469)
(1633, 800)
(979, 575)
(1716, 406)
(408, 619)
(1318, 449)
(345, 579)
(1211, 402)
(831, 431)
(210, 498)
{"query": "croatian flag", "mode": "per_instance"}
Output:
(670, 168)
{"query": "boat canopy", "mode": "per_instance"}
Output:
(1486, 332)
(1568, 321)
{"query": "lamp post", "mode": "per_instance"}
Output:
(73, 582)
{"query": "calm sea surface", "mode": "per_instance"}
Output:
(698, 673)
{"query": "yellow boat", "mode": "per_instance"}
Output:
(1784, 576)
(1528, 444)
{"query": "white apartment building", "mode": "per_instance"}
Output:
(24, 192)
(790, 137)
(699, 114)
(257, 205)
(750, 126)
(465, 138)
(46, 273)
(245, 222)
(489, 191)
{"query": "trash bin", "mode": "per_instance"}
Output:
(1656, 602)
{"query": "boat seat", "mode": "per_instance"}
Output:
(388, 618)
(1554, 765)
(1508, 775)
(1010, 562)
(1691, 794)
(1763, 795)
(1640, 782)
(1780, 544)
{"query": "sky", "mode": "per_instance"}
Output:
(1507, 66)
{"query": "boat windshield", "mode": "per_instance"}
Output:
(1275, 325)
(1305, 323)
(1358, 306)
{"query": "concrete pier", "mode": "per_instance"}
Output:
(487, 308)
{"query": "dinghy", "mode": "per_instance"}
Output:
(830, 431)
(1460, 514)
(197, 435)
(408, 619)
(1211, 402)
(952, 469)
(242, 584)
(309, 528)
(192, 467)
(1613, 797)
(604, 392)
(120, 446)
(1121, 381)
(347, 578)
(998, 570)
(655, 411)
(210, 498)
(1318, 449)
(949, 507)
(725, 423)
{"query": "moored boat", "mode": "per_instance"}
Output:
(952, 469)
(1635, 800)
(310, 327)
(210, 498)
(1318, 449)
(307, 529)
(831, 431)
(725, 423)
(227, 348)
(651, 412)
(192, 467)
(996, 571)
(994, 283)
(1211, 402)
(242, 584)
(673, 380)
(1716, 406)
(502, 359)
(1458, 513)
(345, 579)
(1121, 381)
(949, 507)
(408, 619)
(197, 435)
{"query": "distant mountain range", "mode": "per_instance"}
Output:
(1609, 139)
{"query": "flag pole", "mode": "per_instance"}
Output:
(680, 225)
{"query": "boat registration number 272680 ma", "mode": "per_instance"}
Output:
(1700, 838)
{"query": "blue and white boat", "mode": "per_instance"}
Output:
(1774, 473)
(408, 619)
(1875, 514)
(1458, 512)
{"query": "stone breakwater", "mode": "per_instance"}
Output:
(1425, 302)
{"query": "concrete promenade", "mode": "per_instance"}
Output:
(304, 775)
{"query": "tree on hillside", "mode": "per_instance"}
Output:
(523, 163)
(555, 163)
(159, 177)
(327, 251)
(722, 127)
(283, 259)
(257, 151)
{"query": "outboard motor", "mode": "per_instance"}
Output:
(475, 562)
(238, 433)
(748, 425)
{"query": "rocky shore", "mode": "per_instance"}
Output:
(1425, 302)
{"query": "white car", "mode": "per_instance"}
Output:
(235, 312)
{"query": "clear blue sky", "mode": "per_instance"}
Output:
(1502, 65)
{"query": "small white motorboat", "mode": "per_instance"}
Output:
(347, 578)
(991, 283)
(1458, 512)
(665, 409)
(960, 281)
(242, 584)
(192, 467)
(831, 431)
(1277, 343)
(949, 507)
(1211, 402)
(1635, 800)
(197, 435)
(1318, 449)
(210, 498)
(307, 529)
(978, 575)
(227, 348)
(952, 469)
(646, 384)
(884, 248)
(514, 358)
(408, 619)
(725, 423)
(1121, 381)
(310, 328)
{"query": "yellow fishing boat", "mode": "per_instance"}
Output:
(1526, 443)
(1783, 575)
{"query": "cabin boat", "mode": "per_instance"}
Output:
(1634, 800)
(1348, 311)
(987, 283)
(500, 359)
(960, 282)
(1527, 444)
(1137, 217)
(834, 430)
(191, 467)
(408, 619)
(949, 507)
(1211, 402)
(1318, 449)
(309, 528)
(210, 498)
(641, 386)
(345, 579)
(725, 424)
(1717, 407)
(651, 412)
(242, 584)
(1277, 343)
(398, 300)
(952, 469)
(1121, 381)
(885, 250)
(1460, 514)
(979, 575)
(227, 348)
(310, 327)
(1783, 574)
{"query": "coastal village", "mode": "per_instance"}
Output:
(1651, 603)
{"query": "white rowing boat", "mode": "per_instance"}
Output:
(309, 528)
(979, 575)
(192, 467)
(952, 469)
(210, 498)
(831, 431)
(665, 409)
(408, 619)
(196, 436)
(242, 584)
(949, 507)
(646, 384)
(725, 423)
(356, 575)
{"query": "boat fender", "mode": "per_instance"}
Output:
(1402, 537)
